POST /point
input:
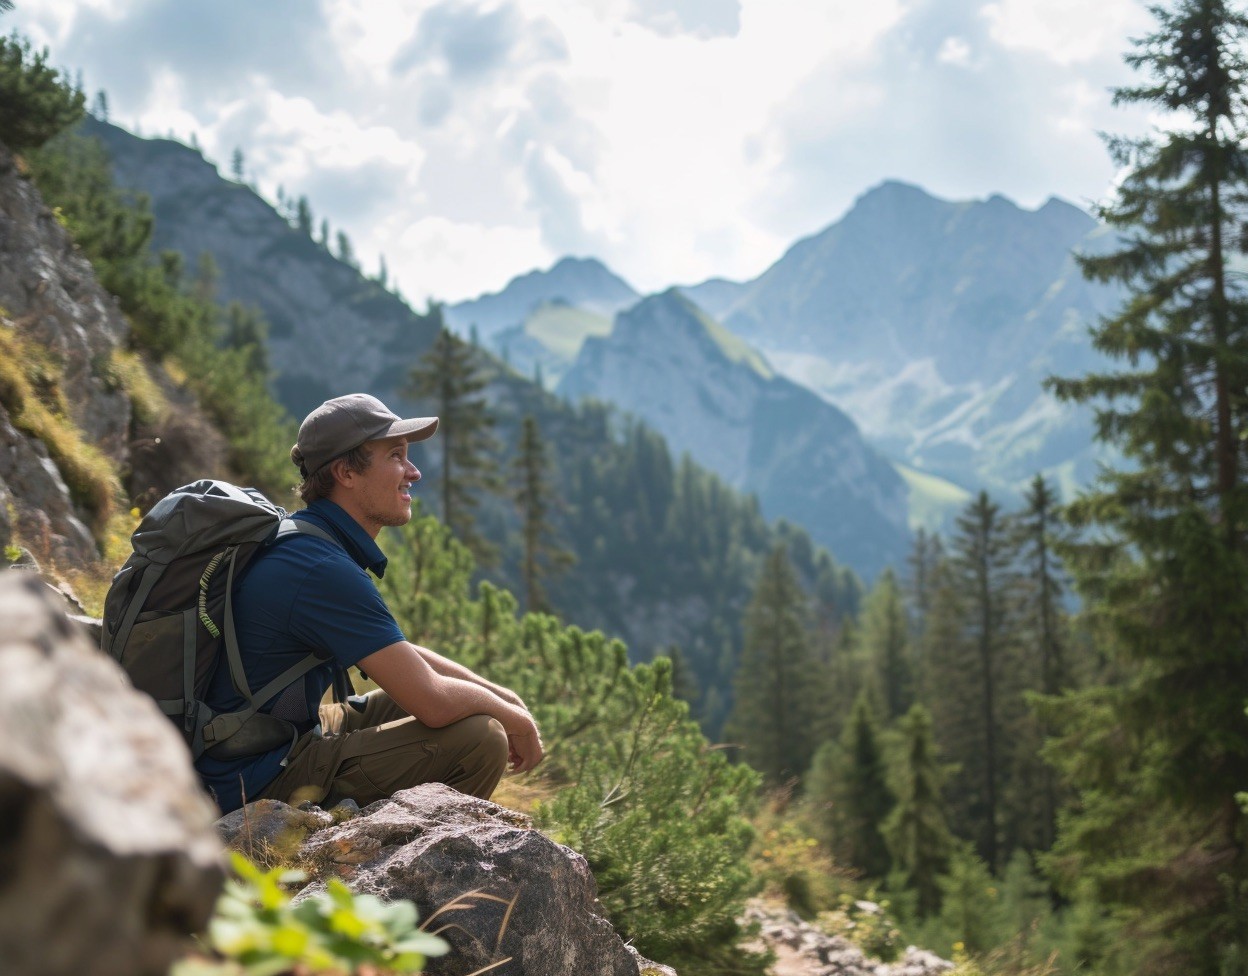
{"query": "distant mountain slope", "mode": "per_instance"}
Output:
(932, 323)
(579, 282)
(330, 328)
(713, 396)
(548, 339)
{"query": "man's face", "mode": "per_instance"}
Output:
(382, 495)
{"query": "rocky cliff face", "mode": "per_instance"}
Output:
(711, 395)
(59, 331)
(331, 330)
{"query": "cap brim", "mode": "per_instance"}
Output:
(415, 429)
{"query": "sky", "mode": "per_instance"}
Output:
(675, 140)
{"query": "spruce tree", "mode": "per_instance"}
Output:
(449, 378)
(303, 216)
(542, 556)
(775, 710)
(1157, 833)
(922, 589)
(1039, 528)
(981, 558)
(916, 831)
(886, 645)
(864, 794)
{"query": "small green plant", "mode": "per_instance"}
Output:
(12, 554)
(866, 923)
(259, 930)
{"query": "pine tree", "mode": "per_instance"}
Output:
(916, 831)
(774, 710)
(247, 331)
(927, 552)
(886, 645)
(1044, 619)
(542, 557)
(344, 252)
(303, 216)
(448, 377)
(236, 165)
(981, 558)
(864, 795)
(1157, 833)
(36, 102)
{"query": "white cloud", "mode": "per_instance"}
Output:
(1065, 31)
(471, 140)
(435, 257)
(954, 51)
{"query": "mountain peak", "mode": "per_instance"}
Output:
(584, 283)
(672, 311)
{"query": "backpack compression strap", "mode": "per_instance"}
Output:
(225, 725)
(286, 528)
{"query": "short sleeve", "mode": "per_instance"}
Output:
(338, 610)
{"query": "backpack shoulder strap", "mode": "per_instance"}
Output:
(292, 526)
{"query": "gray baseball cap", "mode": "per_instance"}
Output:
(345, 422)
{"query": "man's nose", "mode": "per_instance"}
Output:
(413, 472)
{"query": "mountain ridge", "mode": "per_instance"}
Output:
(722, 404)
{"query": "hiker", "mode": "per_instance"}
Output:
(432, 720)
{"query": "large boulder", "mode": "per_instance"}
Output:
(483, 879)
(108, 859)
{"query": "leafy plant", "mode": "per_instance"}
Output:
(868, 924)
(257, 928)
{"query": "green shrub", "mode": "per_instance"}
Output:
(658, 813)
(35, 102)
(259, 932)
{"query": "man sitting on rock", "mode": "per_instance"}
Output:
(433, 720)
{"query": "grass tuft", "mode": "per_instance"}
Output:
(30, 390)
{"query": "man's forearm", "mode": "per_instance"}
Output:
(451, 669)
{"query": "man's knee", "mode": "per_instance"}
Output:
(491, 749)
(483, 759)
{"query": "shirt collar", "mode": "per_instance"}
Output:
(359, 544)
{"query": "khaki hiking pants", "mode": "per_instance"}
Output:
(369, 748)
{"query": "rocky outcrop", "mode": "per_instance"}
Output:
(804, 950)
(58, 324)
(108, 860)
(483, 879)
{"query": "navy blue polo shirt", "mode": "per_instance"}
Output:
(301, 595)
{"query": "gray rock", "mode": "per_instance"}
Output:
(268, 831)
(108, 859)
(834, 955)
(483, 879)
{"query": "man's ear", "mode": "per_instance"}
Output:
(342, 472)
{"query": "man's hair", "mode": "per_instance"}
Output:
(320, 482)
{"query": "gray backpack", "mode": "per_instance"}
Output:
(168, 616)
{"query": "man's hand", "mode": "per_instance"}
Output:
(524, 750)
